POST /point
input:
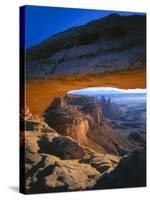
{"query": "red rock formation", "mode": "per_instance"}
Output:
(82, 119)
(25, 114)
(57, 103)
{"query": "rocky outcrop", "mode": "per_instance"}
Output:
(51, 143)
(101, 162)
(51, 174)
(37, 125)
(63, 147)
(25, 114)
(51, 162)
(108, 44)
(130, 172)
(58, 103)
(82, 119)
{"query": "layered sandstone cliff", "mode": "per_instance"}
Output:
(81, 118)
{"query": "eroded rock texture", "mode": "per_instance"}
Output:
(81, 118)
(51, 162)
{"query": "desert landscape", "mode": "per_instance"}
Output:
(83, 125)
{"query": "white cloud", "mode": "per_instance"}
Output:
(106, 90)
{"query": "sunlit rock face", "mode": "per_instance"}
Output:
(82, 119)
(75, 118)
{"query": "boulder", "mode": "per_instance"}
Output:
(51, 174)
(40, 138)
(37, 125)
(63, 147)
(130, 172)
(101, 162)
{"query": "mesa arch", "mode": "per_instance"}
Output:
(40, 92)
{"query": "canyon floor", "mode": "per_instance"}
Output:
(41, 92)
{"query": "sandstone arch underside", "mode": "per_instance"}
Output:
(40, 92)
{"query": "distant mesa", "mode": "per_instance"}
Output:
(110, 111)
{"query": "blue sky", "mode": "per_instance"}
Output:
(42, 22)
(117, 95)
(107, 90)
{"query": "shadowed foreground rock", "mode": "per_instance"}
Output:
(51, 143)
(63, 147)
(130, 172)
